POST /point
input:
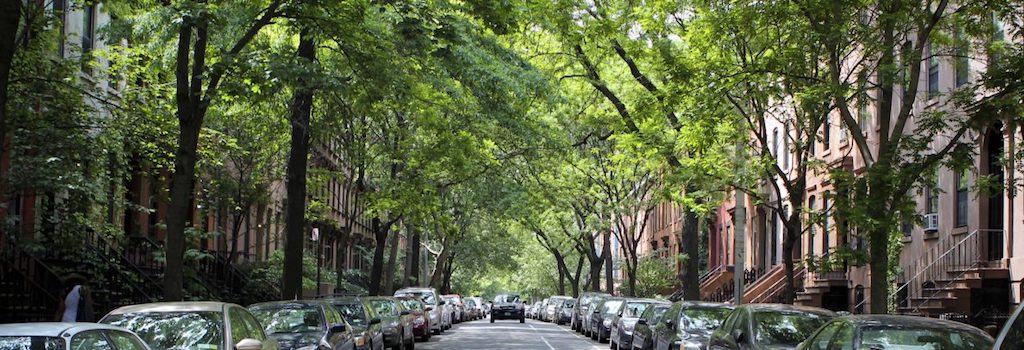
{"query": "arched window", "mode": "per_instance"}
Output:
(775, 142)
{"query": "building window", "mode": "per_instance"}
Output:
(863, 104)
(963, 62)
(961, 199)
(812, 226)
(905, 67)
(88, 32)
(775, 142)
(826, 216)
(998, 34)
(826, 134)
(933, 71)
(785, 148)
(931, 202)
(59, 11)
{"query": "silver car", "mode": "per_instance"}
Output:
(433, 306)
(63, 336)
(192, 325)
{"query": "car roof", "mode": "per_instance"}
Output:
(177, 306)
(909, 321)
(416, 290)
(344, 299)
(289, 303)
(50, 329)
(647, 300)
(706, 304)
(787, 307)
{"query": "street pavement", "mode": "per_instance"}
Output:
(484, 335)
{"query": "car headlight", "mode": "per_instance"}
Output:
(418, 320)
(360, 341)
(607, 323)
(627, 327)
(433, 316)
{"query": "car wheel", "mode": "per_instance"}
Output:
(492, 319)
(522, 320)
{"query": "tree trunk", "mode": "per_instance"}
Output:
(10, 17)
(439, 265)
(576, 280)
(596, 263)
(607, 256)
(339, 257)
(448, 270)
(562, 271)
(689, 278)
(414, 258)
(789, 293)
(380, 235)
(631, 278)
(389, 273)
(298, 157)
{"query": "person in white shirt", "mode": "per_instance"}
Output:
(77, 303)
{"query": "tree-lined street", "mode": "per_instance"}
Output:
(482, 335)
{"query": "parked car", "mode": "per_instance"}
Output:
(1012, 335)
(621, 333)
(601, 318)
(586, 327)
(643, 333)
(457, 307)
(471, 312)
(868, 332)
(420, 321)
(304, 325)
(432, 306)
(540, 312)
(534, 312)
(366, 325)
(508, 306)
(481, 306)
(768, 326)
(583, 304)
(208, 324)
(688, 325)
(550, 311)
(564, 310)
(65, 336)
(395, 321)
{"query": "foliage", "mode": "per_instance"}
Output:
(655, 277)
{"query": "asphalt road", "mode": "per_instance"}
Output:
(482, 334)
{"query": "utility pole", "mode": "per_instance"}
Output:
(739, 226)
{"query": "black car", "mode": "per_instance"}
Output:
(768, 326)
(623, 323)
(304, 324)
(601, 318)
(395, 321)
(688, 325)
(363, 319)
(868, 332)
(643, 333)
(508, 307)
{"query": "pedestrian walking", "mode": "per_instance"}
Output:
(77, 303)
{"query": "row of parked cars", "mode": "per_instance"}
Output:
(334, 322)
(654, 324)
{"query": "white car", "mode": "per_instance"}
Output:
(193, 325)
(64, 336)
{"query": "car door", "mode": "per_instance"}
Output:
(375, 329)
(126, 341)
(722, 338)
(244, 326)
(665, 328)
(337, 339)
(844, 338)
(821, 339)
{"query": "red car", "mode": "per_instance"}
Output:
(420, 321)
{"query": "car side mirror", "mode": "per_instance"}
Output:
(428, 309)
(738, 336)
(442, 302)
(249, 344)
(642, 321)
(375, 320)
(405, 312)
(338, 328)
(670, 324)
(596, 312)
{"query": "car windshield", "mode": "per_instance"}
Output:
(900, 338)
(634, 309)
(506, 298)
(385, 307)
(353, 313)
(412, 304)
(568, 303)
(611, 307)
(31, 343)
(290, 318)
(174, 330)
(426, 297)
(701, 319)
(782, 328)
